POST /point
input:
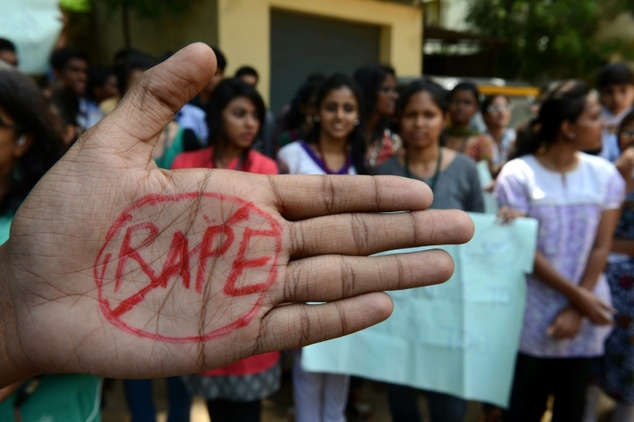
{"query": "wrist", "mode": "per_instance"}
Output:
(577, 296)
(572, 308)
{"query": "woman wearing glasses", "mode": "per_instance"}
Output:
(496, 113)
(459, 135)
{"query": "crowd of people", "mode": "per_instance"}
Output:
(571, 167)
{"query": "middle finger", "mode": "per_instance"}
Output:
(365, 234)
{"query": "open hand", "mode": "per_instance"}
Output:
(118, 268)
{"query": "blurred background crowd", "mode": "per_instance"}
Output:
(559, 149)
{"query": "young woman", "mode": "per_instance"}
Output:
(576, 199)
(297, 121)
(464, 101)
(378, 86)
(421, 115)
(616, 369)
(235, 115)
(29, 146)
(334, 146)
(496, 113)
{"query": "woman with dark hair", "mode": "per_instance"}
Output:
(464, 100)
(298, 119)
(234, 118)
(615, 371)
(335, 145)
(496, 113)
(576, 199)
(235, 114)
(421, 113)
(29, 146)
(378, 85)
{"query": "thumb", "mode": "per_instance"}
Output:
(152, 102)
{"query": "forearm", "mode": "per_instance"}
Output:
(600, 249)
(547, 274)
(596, 264)
(10, 371)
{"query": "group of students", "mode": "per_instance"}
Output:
(425, 133)
(363, 124)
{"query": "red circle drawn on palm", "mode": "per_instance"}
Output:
(177, 265)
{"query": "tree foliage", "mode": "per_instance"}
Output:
(549, 38)
(144, 9)
(148, 9)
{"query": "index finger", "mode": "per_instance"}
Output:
(300, 197)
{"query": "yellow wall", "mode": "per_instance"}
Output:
(244, 30)
(241, 28)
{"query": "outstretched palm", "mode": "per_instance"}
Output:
(118, 268)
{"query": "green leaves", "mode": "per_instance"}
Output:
(76, 5)
(549, 38)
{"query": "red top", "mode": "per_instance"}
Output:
(254, 163)
(203, 158)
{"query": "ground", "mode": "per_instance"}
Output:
(276, 408)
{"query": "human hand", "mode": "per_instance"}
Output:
(566, 324)
(489, 187)
(589, 305)
(117, 268)
(507, 215)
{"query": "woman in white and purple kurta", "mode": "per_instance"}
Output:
(576, 198)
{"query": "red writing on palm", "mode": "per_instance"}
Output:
(161, 282)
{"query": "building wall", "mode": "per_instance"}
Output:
(244, 31)
(241, 28)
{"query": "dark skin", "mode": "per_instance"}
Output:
(48, 291)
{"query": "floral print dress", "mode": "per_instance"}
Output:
(617, 366)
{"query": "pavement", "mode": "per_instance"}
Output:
(277, 408)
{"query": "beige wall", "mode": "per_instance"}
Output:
(244, 30)
(241, 28)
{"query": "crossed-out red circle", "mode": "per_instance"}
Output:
(136, 244)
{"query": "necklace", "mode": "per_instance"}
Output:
(434, 178)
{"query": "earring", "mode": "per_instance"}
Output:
(356, 122)
(542, 149)
(572, 135)
(21, 140)
(316, 119)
